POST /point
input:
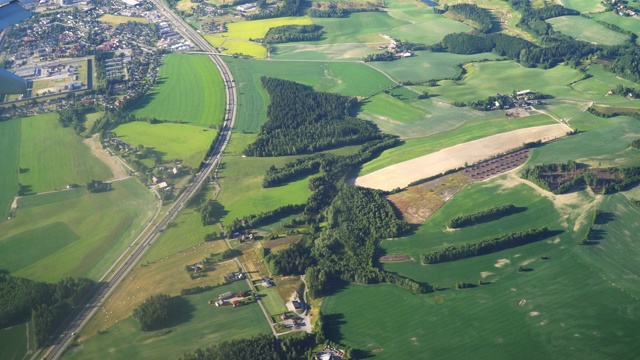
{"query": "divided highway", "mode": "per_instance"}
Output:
(128, 260)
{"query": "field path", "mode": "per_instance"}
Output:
(116, 165)
(401, 174)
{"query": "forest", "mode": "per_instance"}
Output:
(301, 120)
(452, 253)
(480, 16)
(46, 304)
(482, 216)
(291, 33)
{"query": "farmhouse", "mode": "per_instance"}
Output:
(266, 282)
(233, 276)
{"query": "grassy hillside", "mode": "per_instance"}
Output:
(189, 89)
(587, 30)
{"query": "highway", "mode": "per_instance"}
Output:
(129, 259)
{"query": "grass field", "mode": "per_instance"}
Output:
(600, 82)
(413, 148)
(331, 52)
(271, 300)
(628, 23)
(10, 163)
(487, 79)
(13, 342)
(76, 235)
(117, 19)
(358, 28)
(199, 325)
(52, 157)
(189, 88)
(586, 30)
(428, 65)
(583, 6)
(90, 120)
(171, 141)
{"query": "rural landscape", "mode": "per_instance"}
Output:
(293, 179)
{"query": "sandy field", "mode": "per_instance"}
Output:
(401, 174)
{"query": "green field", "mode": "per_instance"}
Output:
(52, 157)
(586, 30)
(271, 300)
(426, 65)
(330, 52)
(13, 342)
(469, 131)
(487, 79)
(199, 325)
(357, 28)
(600, 82)
(583, 6)
(9, 162)
(628, 23)
(171, 141)
(189, 89)
(74, 235)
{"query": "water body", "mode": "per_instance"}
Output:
(430, 3)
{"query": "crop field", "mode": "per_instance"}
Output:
(241, 181)
(199, 325)
(166, 276)
(52, 157)
(586, 30)
(469, 131)
(584, 6)
(244, 47)
(626, 22)
(189, 89)
(171, 141)
(487, 79)
(76, 235)
(332, 52)
(117, 19)
(427, 65)
(9, 162)
(609, 145)
(357, 28)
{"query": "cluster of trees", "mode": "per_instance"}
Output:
(332, 12)
(208, 213)
(626, 91)
(635, 144)
(634, 114)
(301, 120)
(262, 347)
(481, 216)
(96, 186)
(383, 56)
(452, 253)
(46, 304)
(625, 178)
(195, 290)
(537, 174)
(74, 117)
(253, 221)
(293, 260)
(290, 33)
(286, 8)
(480, 16)
(296, 169)
(155, 312)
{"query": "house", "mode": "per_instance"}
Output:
(266, 282)
(523, 92)
(162, 185)
(175, 171)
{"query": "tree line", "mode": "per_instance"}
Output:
(45, 304)
(301, 120)
(256, 220)
(472, 12)
(482, 216)
(452, 253)
(291, 33)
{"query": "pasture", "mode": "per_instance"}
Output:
(626, 22)
(169, 141)
(601, 81)
(358, 28)
(198, 325)
(586, 29)
(413, 148)
(118, 19)
(10, 163)
(426, 65)
(188, 89)
(584, 6)
(75, 235)
(52, 157)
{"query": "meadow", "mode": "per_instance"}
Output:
(189, 89)
(10, 163)
(118, 19)
(72, 234)
(325, 52)
(14, 344)
(584, 6)
(601, 81)
(52, 157)
(198, 325)
(271, 300)
(426, 65)
(628, 23)
(468, 131)
(358, 28)
(586, 29)
(171, 141)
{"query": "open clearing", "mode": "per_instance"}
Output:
(118, 19)
(401, 174)
(587, 30)
(188, 143)
(74, 233)
(189, 89)
(52, 157)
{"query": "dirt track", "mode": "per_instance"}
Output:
(117, 169)
(400, 175)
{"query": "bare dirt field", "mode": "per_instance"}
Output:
(400, 175)
(117, 169)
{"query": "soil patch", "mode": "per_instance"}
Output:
(117, 169)
(395, 258)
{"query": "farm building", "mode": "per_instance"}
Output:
(226, 295)
(233, 276)
(236, 303)
(266, 282)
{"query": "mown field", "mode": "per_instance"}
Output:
(600, 82)
(13, 342)
(584, 6)
(171, 141)
(427, 65)
(189, 89)
(413, 148)
(52, 157)
(9, 162)
(625, 22)
(73, 233)
(198, 325)
(118, 19)
(586, 30)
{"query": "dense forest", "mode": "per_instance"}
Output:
(301, 120)
(480, 16)
(155, 312)
(482, 216)
(291, 33)
(452, 253)
(46, 304)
